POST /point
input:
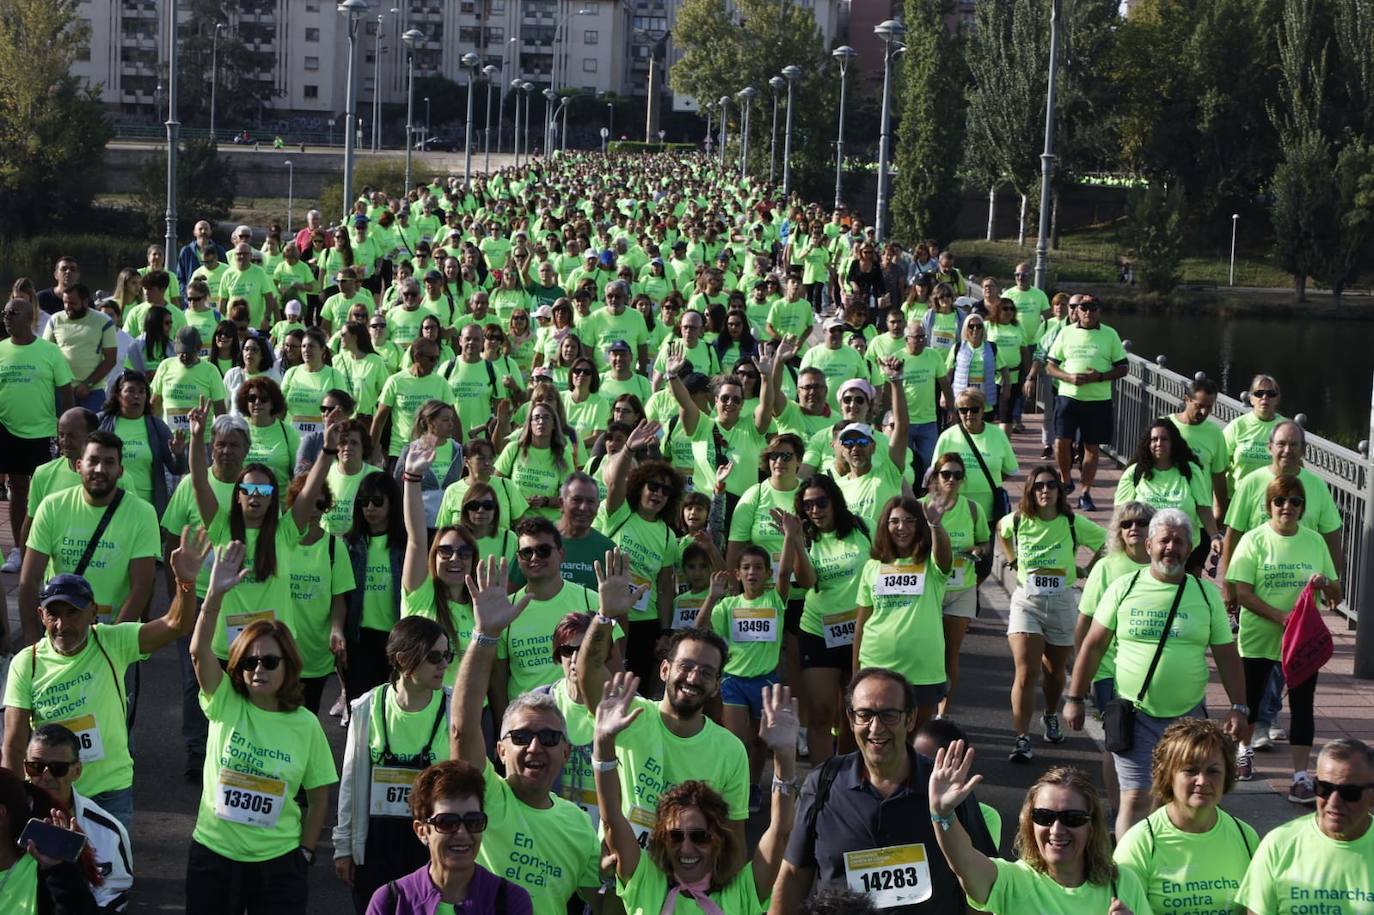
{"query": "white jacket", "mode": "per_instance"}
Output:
(114, 855)
(355, 778)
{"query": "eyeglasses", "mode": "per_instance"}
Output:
(265, 661)
(687, 667)
(543, 551)
(974, 326)
(481, 505)
(1349, 793)
(448, 823)
(257, 489)
(658, 488)
(698, 836)
(888, 716)
(522, 737)
(461, 550)
(855, 441)
(35, 767)
(566, 651)
(782, 456)
(1295, 501)
(330, 407)
(1129, 523)
(820, 503)
(856, 399)
(1045, 485)
(1043, 816)
(435, 656)
(951, 474)
(810, 387)
(581, 371)
(1264, 393)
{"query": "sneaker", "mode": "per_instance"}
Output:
(1068, 488)
(1046, 453)
(1277, 733)
(1021, 750)
(803, 748)
(1053, 733)
(1302, 790)
(1086, 503)
(1245, 767)
(1019, 429)
(1260, 740)
(12, 560)
(337, 708)
(755, 799)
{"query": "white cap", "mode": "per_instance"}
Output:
(293, 307)
(861, 428)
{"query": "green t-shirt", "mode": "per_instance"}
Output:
(1007, 340)
(638, 385)
(181, 388)
(1114, 565)
(536, 473)
(252, 284)
(997, 452)
(1247, 509)
(343, 490)
(406, 734)
(1019, 888)
(797, 421)
(601, 328)
(588, 417)
(967, 527)
(1247, 445)
(182, 511)
(403, 324)
(651, 546)
(304, 391)
(1077, 349)
(527, 643)
(1184, 871)
(1298, 869)
(866, 495)
(1207, 442)
(944, 331)
(1168, 489)
(791, 318)
(977, 371)
(252, 599)
(316, 580)
(63, 525)
(919, 375)
(405, 394)
(838, 365)
(742, 446)
(1137, 620)
(29, 378)
(379, 611)
(423, 603)
(137, 456)
(829, 611)
(647, 890)
(474, 390)
(255, 762)
(54, 476)
(275, 445)
(905, 630)
(551, 852)
(1030, 305)
(84, 692)
(365, 378)
(578, 558)
(19, 887)
(753, 629)
(1049, 546)
(1278, 568)
(751, 521)
(509, 499)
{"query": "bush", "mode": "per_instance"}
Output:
(637, 146)
(205, 188)
(1154, 230)
(95, 253)
(387, 174)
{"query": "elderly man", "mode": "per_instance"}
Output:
(875, 798)
(314, 220)
(53, 763)
(583, 545)
(188, 259)
(614, 323)
(1323, 862)
(246, 280)
(1166, 613)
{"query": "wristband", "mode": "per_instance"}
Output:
(945, 822)
(485, 641)
(1241, 707)
(605, 765)
(786, 788)
(186, 587)
(603, 619)
(409, 477)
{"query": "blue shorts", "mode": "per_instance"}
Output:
(1104, 691)
(746, 692)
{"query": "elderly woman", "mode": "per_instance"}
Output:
(985, 449)
(691, 846)
(1062, 839)
(1189, 839)
(446, 809)
(972, 362)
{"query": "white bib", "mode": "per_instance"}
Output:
(88, 732)
(903, 581)
(685, 614)
(390, 794)
(895, 876)
(755, 624)
(249, 800)
(958, 576)
(839, 628)
(307, 424)
(179, 420)
(1044, 582)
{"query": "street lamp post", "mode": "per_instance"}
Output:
(843, 55)
(563, 137)
(777, 84)
(410, 38)
(424, 139)
(528, 88)
(549, 96)
(610, 117)
(214, 71)
(748, 93)
(1235, 221)
(790, 73)
(173, 131)
(501, 97)
(490, 70)
(353, 11)
(706, 107)
(890, 31)
(516, 85)
(604, 134)
(470, 61)
(1042, 244)
(377, 86)
(290, 192)
(724, 103)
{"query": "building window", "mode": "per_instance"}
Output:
(312, 34)
(469, 34)
(312, 91)
(369, 84)
(590, 36)
(312, 6)
(312, 63)
(496, 35)
(370, 28)
(496, 6)
(589, 65)
(369, 58)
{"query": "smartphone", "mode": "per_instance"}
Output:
(53, 841)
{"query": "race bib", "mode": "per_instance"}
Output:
(642, 822)
(839, 628)
(1041, 582)
(894, 876)
(685, 614)
(905, 581)
(390, 796)
(757, 624)
(179, 420)
(235, 623)
(249, 800)
(307, 424)
(942, 339)
(958, 576)
(88, 732)
(637, 581)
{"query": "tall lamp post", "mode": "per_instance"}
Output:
(501, 96)
(490, 71)
(353, 10)
(173, 131)
(470, 61)
(891, 32)
(1042, 243)
(214, 71)
(563, 137)
(527, 87)
(549, 96)
(1235, 221)
(724, 103)
(791, 73)
(424, 139)
(843, 55)
(290, 192)
(515, 86)
(377, 86)
(777, 84)
(410, 38)
(604, 135)
(748, 94)
(706, 107)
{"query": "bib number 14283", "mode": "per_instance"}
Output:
(895, 876)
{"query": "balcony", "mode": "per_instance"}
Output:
(138, 9)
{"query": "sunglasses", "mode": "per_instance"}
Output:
(449, 550)
(951, 474)
(657, 488)
(257, 489)
(566, 651)
(543, 551)
(1045, 485)
(698, 836)
(329, 407)
(581, 371)
(265, 661)
(1043, 816)
(1349, 793)
(819, 504)
(1295, 501)
(251, 398)
(377, 501)
(782, 456)
(854, 400)
(35, 767)
(448, 823)
(1129, 523)
(856, 441)
(968, 411)
(195, 298)
(1088, 306)
(482, 505)
(434, 657)
(974, 326)
(379, 325)
(1264, 393)
(522, 737)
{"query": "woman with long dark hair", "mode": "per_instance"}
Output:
(1165, 473)
(151, 451)
(376, 547)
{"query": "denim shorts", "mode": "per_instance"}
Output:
(746, 691)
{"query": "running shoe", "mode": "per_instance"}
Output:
(1302, 790)
(1245, 766)
(1053, 733)
(1021, 750)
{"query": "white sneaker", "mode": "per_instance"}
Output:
(1260, 740)
(12, 561)
(1277, 733)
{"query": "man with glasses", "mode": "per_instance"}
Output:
(1086, 358)
(1322, 862)
(472, 379)
(246, 280)
(615, 323)
(53, 763)
(867, 813)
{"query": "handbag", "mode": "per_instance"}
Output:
(1118, 717)
(1307, 644)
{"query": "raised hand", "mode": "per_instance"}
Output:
(723, 473)
(196, 418)
(616, 712)
(950, 783)
(492, 609)
(787, 348)
(419, 457)
(644, 435)
(228, 569)
(179, 441)
(892, 368)
(788, 523)
(332, 436)
(721, 583)
(779, 725)
(189, 555)
(935, 509)
(618, 594)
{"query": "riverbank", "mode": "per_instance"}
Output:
(1231, 301)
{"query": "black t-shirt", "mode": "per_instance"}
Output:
(49, 301)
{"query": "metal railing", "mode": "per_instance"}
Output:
(1151, 390)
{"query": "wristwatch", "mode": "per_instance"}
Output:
(1241, 707)
(1078, 699)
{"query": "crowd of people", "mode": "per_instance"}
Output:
(600, 499)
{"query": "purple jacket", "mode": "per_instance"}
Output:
(488, 894)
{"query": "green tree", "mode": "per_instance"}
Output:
(232, 64)
(1154, 231)
(205, 187)
(52, 130)
(1355, 39)
(927, 192)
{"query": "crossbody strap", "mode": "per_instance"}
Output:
(1163, 637)
(91, 545)
(978, 456)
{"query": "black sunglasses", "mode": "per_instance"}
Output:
(818, 504)
(1349, 793)
(34, 767)
(265, 661)
(698, 836)
(434, 657)
(543, 551)
(477, 505)
(656, 487)
(1129, 523)
(1295, 501)
(1043, 816)
(951, 474)
(448, 823)
(448, 550)
(377, 501)
(566, 651)
(522, 737)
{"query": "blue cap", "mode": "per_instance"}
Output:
(608, 256)
(68, 589)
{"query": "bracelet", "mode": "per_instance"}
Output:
(945, 822)
(605, 765)
(332, 452)
(409, 477)
(786, 788)
(186, 587)
(1240, 707)
(1078, 699)
(603, 619)
(482, 640)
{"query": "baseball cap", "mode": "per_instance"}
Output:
(187, 340)
(589, 255)
(293, 307)
(543, 311)
(360, 220)
(618, 345)
(857, 429)
(66, 588)
(434, 275)
(832, 323)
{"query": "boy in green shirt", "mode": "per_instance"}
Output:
(696, 569)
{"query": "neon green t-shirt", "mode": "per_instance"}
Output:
(742, 446)
(19, 887)
(1048, 546)
(588, 417)
(252, 284)
(1167, 489)
(252, 599)
(1078, 349)
(1247, 509)
(473, 390)
(406, 734)
(304, 391)
(527, 643)
(1298, 867)
(536, 473)
(315, 581)
(751, 521)
(182, 511)
(1112, 566)
(29, 378)
(1247, 445)
(1278, 567)
(651, 546)
(379, 611)
(343, 490)
(1207, 442)
(403, 324)
(275, 445)
(137, 456)
(1019, 888)
(55, 476)
(753, 629)
(255, 761)
(966, 527)
(1184, 871)
(905, 630)
(423, 603)
(405, 394)
(997, 453)
(919, 374)
(866, 495)
(647, 890)
(791, 318)
(63, 525)
(829, 609)
(509, 499)
(181, 388)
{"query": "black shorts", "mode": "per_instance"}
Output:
(22, 456)
(815, 653)
(1088, 420)
(791, 618)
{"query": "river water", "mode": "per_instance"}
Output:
(1323, 365)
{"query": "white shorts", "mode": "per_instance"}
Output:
(962, 604)
(1049, 615)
